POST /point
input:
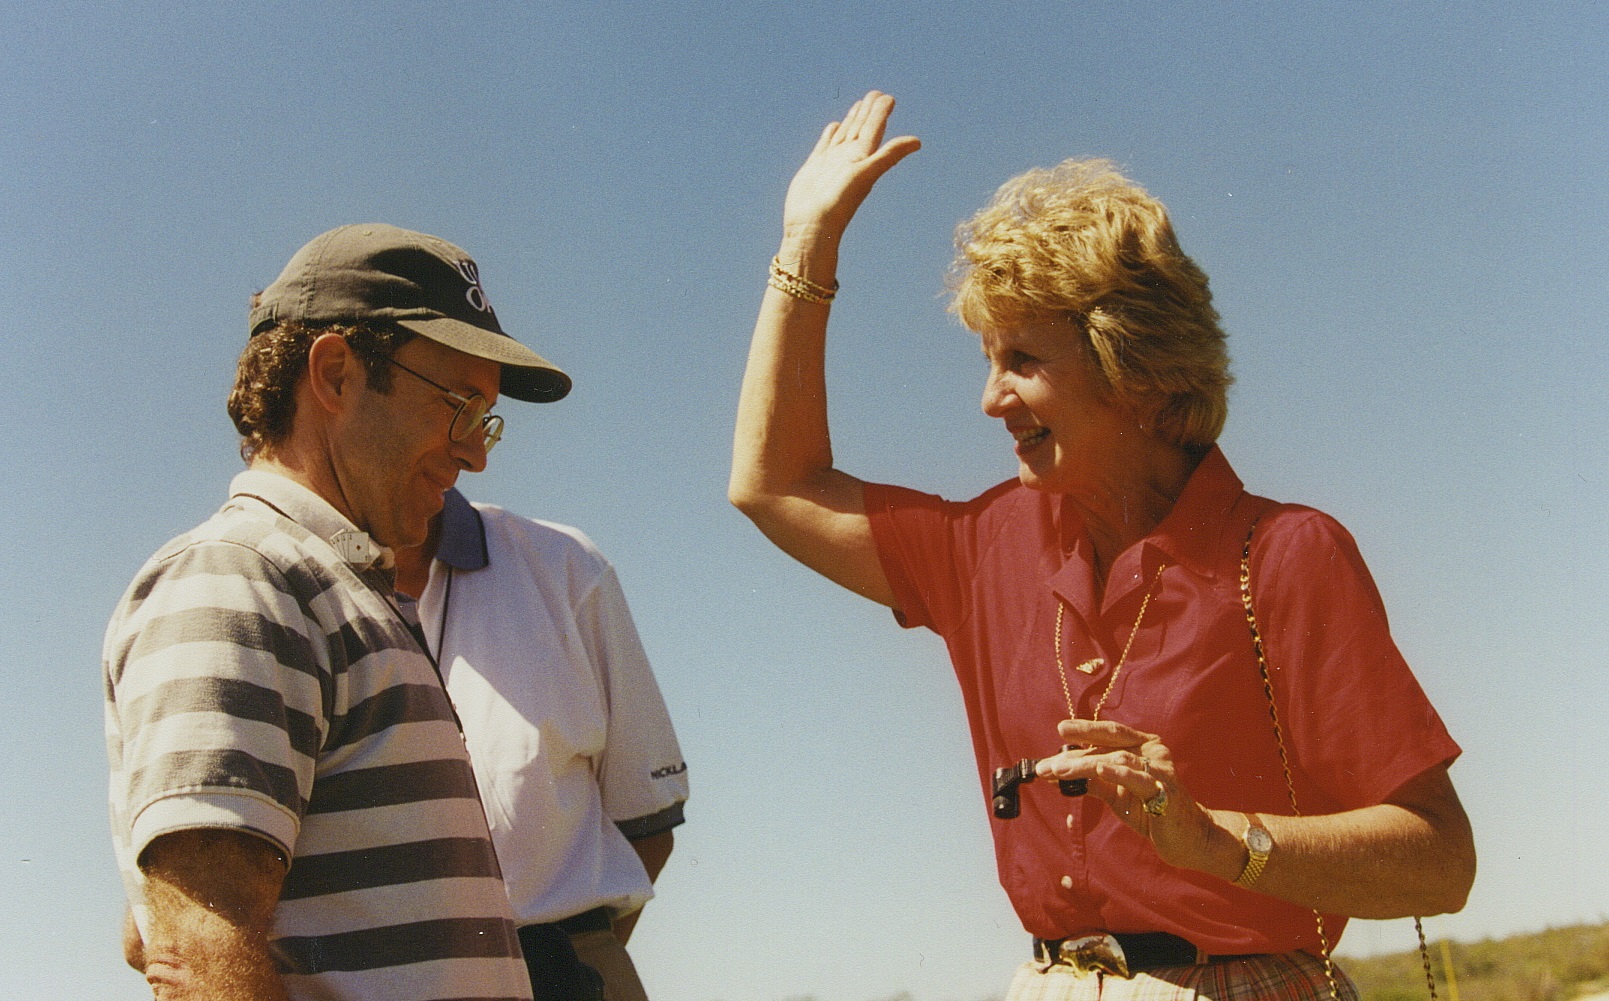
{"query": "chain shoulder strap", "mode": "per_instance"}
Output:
(1285, 766)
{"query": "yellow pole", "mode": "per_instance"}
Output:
(1447, 966)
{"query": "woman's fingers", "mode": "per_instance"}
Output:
(1125, 778)
(878, 107)
(1132, 772)
(1131, 782)
(851, 127)
(867, 117)
(1101, 733)
(891, 153)
(827, 135)
(1092, 763)
(849, 157)
(864, 111)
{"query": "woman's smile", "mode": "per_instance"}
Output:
(1029, 437)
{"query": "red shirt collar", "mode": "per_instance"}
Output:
(1192, 535)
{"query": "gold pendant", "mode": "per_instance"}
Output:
(1090, 666)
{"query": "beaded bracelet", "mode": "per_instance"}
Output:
(799, 286)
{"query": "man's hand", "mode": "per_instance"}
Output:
(211, 895)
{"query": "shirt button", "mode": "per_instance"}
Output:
(1069, 821)
(1067, 882)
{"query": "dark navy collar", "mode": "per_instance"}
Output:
(463, 536)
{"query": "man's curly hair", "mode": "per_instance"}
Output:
(263, 401)
(1081, 242)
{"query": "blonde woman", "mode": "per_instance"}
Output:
(1094, 611)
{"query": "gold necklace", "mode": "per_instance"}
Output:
(1090, 665)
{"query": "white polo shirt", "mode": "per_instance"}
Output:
(571, 742)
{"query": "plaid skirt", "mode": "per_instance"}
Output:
(1290, 976)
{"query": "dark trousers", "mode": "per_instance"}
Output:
(556, 973)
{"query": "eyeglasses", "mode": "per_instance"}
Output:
(470, 416)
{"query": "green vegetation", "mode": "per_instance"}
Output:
(1555, 965)
(1560, 964)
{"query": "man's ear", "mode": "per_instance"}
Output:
(335, 373)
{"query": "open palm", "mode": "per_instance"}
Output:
(848, 159)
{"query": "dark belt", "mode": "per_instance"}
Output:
(1142, 951)
(596, 919)
(557, 973)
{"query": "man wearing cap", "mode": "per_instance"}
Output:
(293, 808)
(574, 751)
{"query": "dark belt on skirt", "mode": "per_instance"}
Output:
(1122, 954)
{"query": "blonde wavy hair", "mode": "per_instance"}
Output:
(1081, 242)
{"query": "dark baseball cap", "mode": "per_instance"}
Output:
(375, 273)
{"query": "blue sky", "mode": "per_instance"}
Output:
(1401, 206)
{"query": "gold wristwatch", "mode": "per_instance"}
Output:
(1259, 845)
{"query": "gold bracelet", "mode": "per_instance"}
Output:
(798, 286)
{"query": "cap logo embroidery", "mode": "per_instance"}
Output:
(475, 294)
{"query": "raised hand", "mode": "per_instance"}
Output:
(848, 159)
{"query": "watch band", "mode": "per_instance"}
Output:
(1259, 845)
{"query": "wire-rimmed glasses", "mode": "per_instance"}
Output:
(471, 413)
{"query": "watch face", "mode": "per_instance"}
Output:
(1259, 841)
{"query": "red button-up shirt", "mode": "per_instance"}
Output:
(988, 575)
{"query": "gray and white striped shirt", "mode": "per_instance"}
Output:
(257, 681)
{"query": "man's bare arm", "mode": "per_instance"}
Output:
(211, 895)
(654, 851)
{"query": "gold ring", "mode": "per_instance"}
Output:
(1157, 805)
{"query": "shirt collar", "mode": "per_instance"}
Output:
(314, 513)
(463, 535)
(1192, 533)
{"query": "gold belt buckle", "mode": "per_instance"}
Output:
(1094, 954)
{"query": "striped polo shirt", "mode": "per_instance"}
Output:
(257, 681)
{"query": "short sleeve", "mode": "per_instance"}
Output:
(214, 698)
(929, 549)
(642, 776)
(1359, 723)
